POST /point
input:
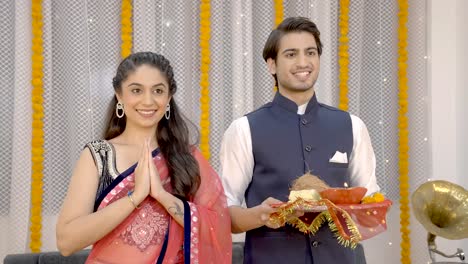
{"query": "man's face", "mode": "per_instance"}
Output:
(297, 64)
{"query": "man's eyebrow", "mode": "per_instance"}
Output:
(288, 50)
(295, 50)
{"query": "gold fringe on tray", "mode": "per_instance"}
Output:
(348, 239)
(318, 221)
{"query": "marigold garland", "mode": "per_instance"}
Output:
(37, 138)
(343, 55)
(278, 12)
(126, 28)
(205, 31)
(403, 132)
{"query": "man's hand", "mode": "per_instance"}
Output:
(265, 210)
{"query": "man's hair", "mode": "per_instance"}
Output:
(290, 24)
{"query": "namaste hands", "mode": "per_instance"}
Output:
(147, 180)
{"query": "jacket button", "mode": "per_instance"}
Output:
(315, 244)
(308, 148)
(304, 121)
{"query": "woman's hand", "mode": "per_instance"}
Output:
(156, 189)
(142, 175)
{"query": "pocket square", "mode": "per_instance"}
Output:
(339, 158)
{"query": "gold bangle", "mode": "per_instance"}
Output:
(129, 195)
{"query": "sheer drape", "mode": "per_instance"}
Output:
(15, 120)
(81, 53)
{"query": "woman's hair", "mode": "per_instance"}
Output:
(172, 134)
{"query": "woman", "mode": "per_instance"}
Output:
(145, 195)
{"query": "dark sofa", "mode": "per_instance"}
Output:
(80, 257)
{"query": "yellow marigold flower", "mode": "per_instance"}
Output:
(374, 198)
(378, 197)
(367, 199)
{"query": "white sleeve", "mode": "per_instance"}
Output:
(362, 160)
(236, 161)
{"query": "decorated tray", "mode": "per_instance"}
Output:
(351, 223)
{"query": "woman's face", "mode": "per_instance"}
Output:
(145, 95)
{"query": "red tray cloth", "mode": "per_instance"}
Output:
(351, 223)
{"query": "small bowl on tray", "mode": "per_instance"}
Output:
(352, 195)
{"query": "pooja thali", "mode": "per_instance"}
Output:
(351, 222)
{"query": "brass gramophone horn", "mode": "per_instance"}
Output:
(442, 208)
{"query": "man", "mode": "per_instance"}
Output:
(264, 151)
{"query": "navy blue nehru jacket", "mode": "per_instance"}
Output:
(285, 145)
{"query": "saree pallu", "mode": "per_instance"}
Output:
(141, 236)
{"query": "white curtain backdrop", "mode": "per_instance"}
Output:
(82, 50)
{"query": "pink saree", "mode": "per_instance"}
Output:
(141, 237)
